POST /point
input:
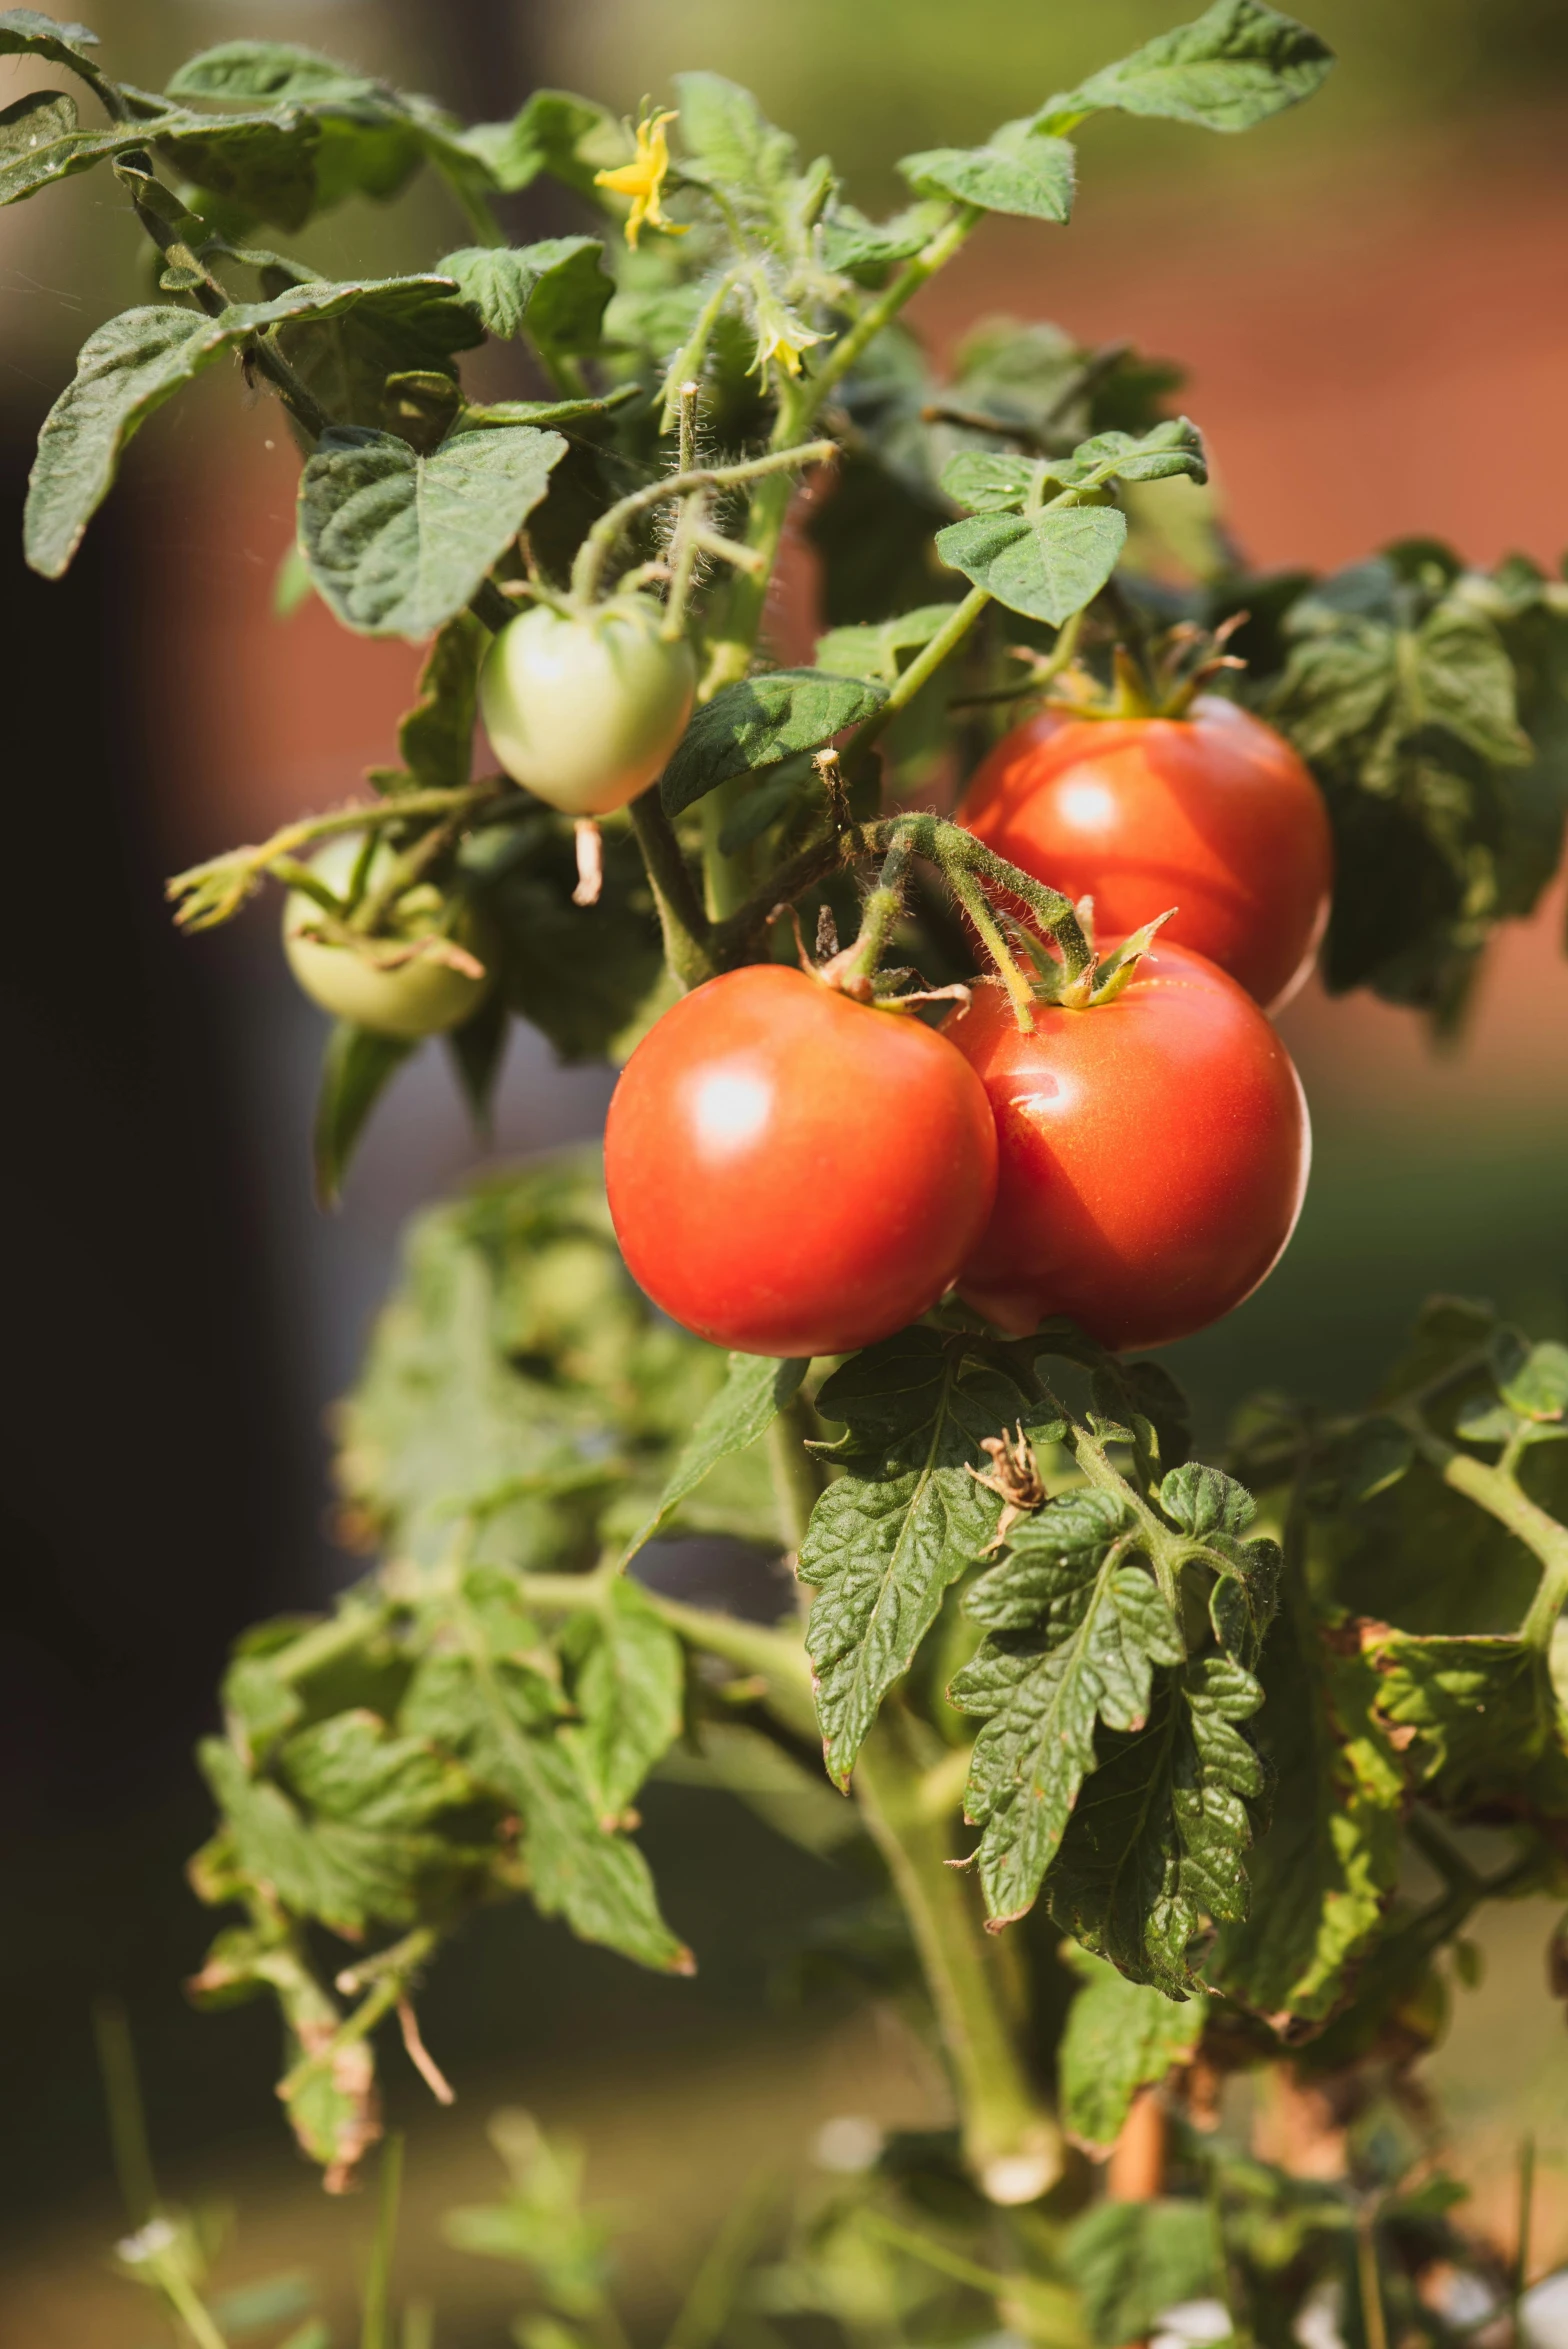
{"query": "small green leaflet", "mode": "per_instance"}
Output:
(436, 737)
(1134, 2260)
(397, 543)
(129, 367)
(758, 722)
(1047, 566)
(1235, 66)
(1033, 179)
(1077, 1625)
(1121, 2036)
(629, 1686)
(902, 1522)
(990, 483)
(35, 121)
(740, 1414)
(872, 650)
(569, 137)
(1155, 1851)
(356, 1068)
(557, 289)
(866, 249)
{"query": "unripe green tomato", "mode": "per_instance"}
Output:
(424, 997)
(585, 710)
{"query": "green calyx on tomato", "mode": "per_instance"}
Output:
(418, 975)
(583, 706)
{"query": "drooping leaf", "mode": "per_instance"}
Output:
(1077, 1625)
(1156, 1849)
(740, 1414)
(413, 327)
(1048, 565)
(1121, 2037)
(397, 543)
(35, 121)
(580, 974)
(556, 291)
(759, 722)
(904, 1519)
(1134, 2260)
(356, 1068)
(571, 138)
(1325, 1871)
(1488, 1733)
(125, 370)
(1233, 67)
(628, 1687)
(436, 737)
(27, 32)
(1033, 179)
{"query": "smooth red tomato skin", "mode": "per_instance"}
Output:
(1213, 814)
(793, 1173)
(1154, 1155)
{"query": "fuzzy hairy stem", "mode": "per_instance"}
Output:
(1012, 2146)
(686, 927)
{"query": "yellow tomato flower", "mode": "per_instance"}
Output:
(643, 179)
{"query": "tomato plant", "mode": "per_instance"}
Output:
(1210, 817)
(793, 1173)
(1154, 1153)
(1217, 1729)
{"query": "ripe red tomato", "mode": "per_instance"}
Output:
(1212, 813)
(1154, 1154)
(793, 1173)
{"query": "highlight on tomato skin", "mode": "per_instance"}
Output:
(1154, 1152)
(1212, 813)
(793, 1173)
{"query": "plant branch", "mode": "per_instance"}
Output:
(687, 930)
(881, 313)
(1501, 1497)
(924, 666)
(600, 542)
(1012, 2145)
(214, 891)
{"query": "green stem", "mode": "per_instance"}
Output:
(389, 1988)
(881, 313)
(681, 916)
(1373, 2322)
(188, 2306)
(854, 971)
(925, 665)
(122, 2096)
(798, 1475)
(600, 543)
(1012, 2145)
(1020, 994)
(1502, 1498)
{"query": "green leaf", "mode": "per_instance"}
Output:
(996, 484)
(413, 326)
(758, 722)
(436, 737)
(1033, 179)
(1325, 1872)
(629, 1690)
(1538, 1389)
(866, 250)
(1048, 566)
(1121, 2036)
(740, 1414)
(1077, 1624)
(356, 1068)
(728, 143)
(1487, 1730)
(275, 72)
(1204, 1501)
(397, 543)
(569, 137)
(35, 121)
(903, 1520)
(124, 371)
(27, 32)
(556, 289)
(580, 974)
(873, 651)
(1155, 1851)
(1134, 2260)
(1234, 67)
(577, 1868)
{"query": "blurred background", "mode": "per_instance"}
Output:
(1371, 296)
